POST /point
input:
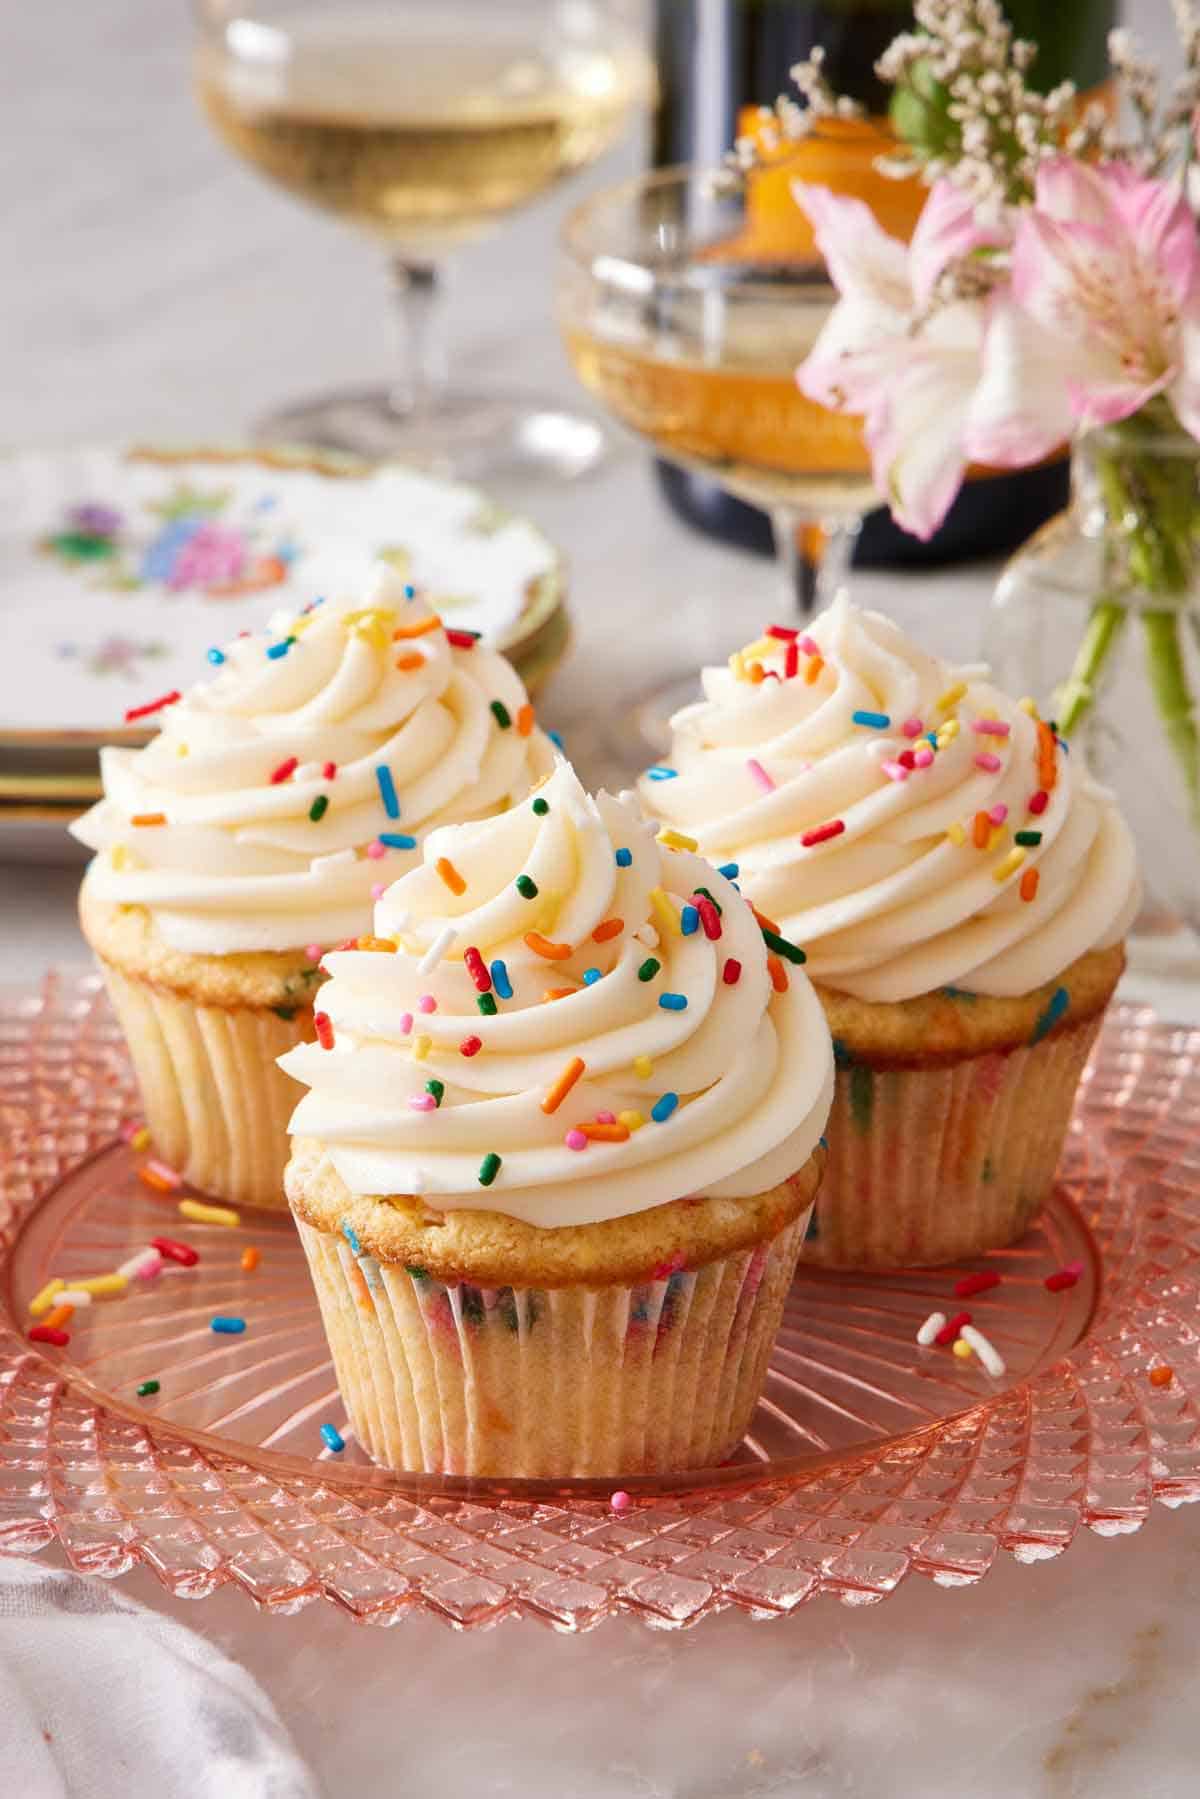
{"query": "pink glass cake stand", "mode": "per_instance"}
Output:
(869, 1458)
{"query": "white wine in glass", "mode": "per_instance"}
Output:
(423, 125)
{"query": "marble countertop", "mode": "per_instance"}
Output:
(170, 295)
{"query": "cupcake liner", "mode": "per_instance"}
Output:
(216, 1105)
(940, 1163)
(551, 1382)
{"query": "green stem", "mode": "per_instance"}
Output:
(1172, 692)
(1078, 695)
(1151, 499)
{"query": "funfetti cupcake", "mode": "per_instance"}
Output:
(961, 887)
(253, 831)
(559, 1152)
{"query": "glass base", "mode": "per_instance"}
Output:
(474, 436)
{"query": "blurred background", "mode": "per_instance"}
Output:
(160, 290)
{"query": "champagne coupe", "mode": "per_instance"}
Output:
(692, 340)
(423, 125)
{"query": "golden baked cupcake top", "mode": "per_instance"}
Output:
(906, 822)
(303, 774)
(570, 1021)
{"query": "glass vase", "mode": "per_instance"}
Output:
(1098, 617)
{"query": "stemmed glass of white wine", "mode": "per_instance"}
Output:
(423, 123)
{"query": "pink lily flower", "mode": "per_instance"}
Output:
(1103, 314)
(890, 350)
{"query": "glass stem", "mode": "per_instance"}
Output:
(420, 360)
(811, 573)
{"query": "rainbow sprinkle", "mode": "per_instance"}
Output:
(791, 952)
(673, 1002)
(450, 875)
(760, 775)
(166, 699)
(387, 790)
(624, 858)
(500, 980)
(437, 949)
(649, 969)
(501, 714)
(823, 833)
(663, 1107)
(319, 808)
(332, 1439)
(710, 916)
(665, 915)
(689, 921)
(540, 807)
(216, 657)
(489, 1168)
(545, 947)
(989, 762)
(1060, 999)
(563, 1085)
(526, 887)
(396, 840)
(873, 721)
(657, 772)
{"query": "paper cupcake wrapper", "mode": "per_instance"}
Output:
(216, 1104)
(551, 1382)
(932, 1165)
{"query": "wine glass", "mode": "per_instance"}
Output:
(424, 125)
(691, 338)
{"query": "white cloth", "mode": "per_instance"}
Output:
(100, 1697)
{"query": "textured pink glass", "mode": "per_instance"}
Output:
(868, 1458)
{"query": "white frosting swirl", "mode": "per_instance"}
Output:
(751, 1067)
(899, 901)
(244, 760)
